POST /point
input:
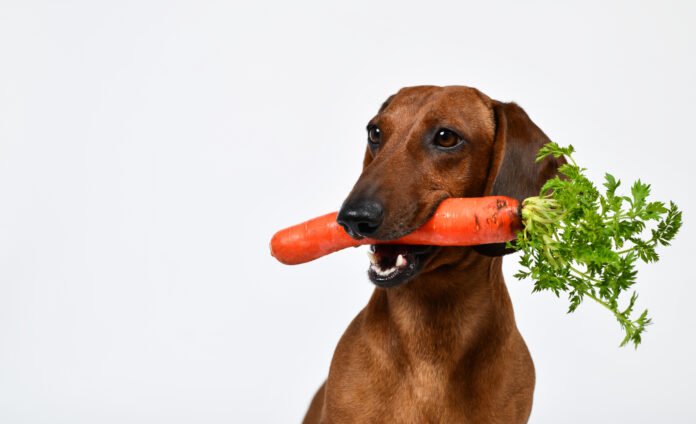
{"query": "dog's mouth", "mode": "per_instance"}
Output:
(395, 264)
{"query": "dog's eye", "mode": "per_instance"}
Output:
(447, 138)
(374, 135)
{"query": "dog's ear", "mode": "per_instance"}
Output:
(514, 171)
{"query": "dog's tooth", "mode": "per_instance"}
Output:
(400, 261)
(377, 269)
(373, 257)
(385, 272)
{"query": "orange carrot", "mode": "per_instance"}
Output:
(456, 222)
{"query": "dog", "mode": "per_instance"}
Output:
(437, 341)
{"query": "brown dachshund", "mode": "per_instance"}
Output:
(437, 342)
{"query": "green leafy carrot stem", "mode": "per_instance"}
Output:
(585, 243)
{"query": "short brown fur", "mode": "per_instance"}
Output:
(443, 347)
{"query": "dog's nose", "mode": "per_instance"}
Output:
(361, 219)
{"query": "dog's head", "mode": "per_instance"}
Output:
(429, 143)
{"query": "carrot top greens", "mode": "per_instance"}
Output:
(587, 243)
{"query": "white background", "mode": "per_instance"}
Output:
(148, 151)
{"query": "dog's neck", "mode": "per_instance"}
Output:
(446, 313)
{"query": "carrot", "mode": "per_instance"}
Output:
(456, 222)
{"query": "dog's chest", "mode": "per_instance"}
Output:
(424, 392)
(425, 383)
